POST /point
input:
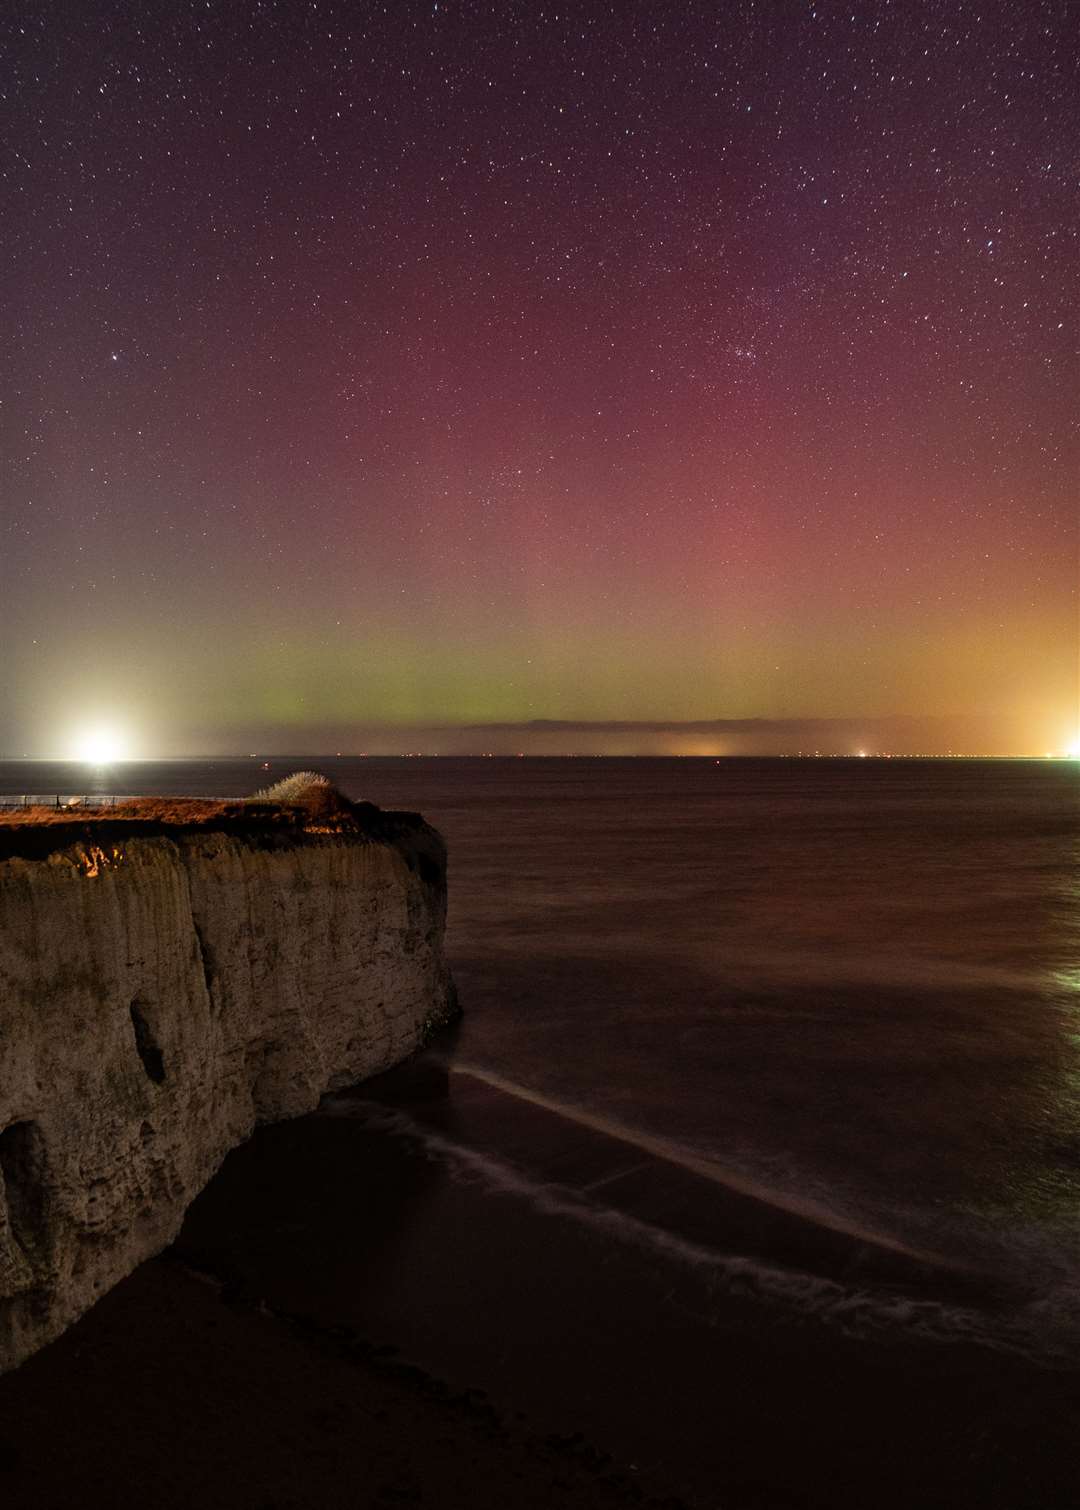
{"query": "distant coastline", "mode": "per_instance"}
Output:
(978, 737)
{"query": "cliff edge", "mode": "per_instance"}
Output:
(172, 974)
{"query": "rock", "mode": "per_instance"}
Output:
(164, 987)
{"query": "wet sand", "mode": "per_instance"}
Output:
(349, 1319)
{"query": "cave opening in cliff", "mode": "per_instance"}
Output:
(149, 1050)
(22, 1173)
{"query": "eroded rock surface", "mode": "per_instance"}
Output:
(161, 992)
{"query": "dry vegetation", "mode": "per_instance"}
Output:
(298, 798)
(186, 812)
(304, 802)
(315, 794)
(298, 787)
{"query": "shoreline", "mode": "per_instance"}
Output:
(773, 1223)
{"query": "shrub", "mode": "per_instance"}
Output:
(299, 787)
(319, 798)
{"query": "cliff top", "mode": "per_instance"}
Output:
(187, 812)
(35, 832)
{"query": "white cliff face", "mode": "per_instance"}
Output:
(159, 996)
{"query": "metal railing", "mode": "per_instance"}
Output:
(65, 799)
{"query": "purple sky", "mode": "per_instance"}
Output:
(466, 363)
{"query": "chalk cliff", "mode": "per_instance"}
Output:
(166, 984)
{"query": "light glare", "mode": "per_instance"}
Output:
(101, 746)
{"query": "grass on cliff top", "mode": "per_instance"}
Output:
(180, 811)
(301, 799)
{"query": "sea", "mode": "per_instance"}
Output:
(808, 1026)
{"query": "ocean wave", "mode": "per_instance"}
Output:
(1045, 1330)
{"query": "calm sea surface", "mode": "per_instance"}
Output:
(850, 986)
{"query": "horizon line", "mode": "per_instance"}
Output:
(715, 756)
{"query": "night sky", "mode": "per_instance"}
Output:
(461, 363)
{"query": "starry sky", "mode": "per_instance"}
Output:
(374, 366)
